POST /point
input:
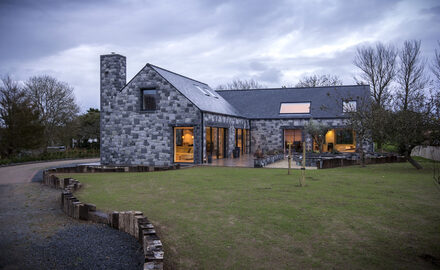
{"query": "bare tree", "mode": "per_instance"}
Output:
(319, 80)
(411, 77)
(378, 66)
(20, 128)
(436, 64)
(55, 102)
(240, 85)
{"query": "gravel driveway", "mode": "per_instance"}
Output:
(36, 234)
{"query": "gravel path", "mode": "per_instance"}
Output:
(36, 234)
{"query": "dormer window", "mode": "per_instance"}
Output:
(148, 99)
(349, 106)
(298, 107)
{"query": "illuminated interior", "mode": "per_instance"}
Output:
(293, 137)
(183, 144)
(341, 140)
(216, 142)
(303, 107)
(242, 140)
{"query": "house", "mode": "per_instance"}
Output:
(160, 117)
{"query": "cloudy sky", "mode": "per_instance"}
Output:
(274, 42)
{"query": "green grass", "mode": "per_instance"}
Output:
(380, 217)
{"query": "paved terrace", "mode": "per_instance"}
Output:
(247, 161)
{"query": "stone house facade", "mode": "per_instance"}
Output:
(160, 117)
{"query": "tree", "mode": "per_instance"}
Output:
(410, 77)
(317, 130)
(319, 80)
(55, 102)
(88, 127)
(20, 128)
(240, 85)
(362, 120)
(378, 66)
(435, 67)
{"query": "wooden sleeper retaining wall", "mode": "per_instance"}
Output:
(131, 222)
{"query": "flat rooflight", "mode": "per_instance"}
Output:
(202, 90)
(210, 92)
(300, 107)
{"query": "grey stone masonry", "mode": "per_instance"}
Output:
(269, 134)
(130, 136)
(224, 121)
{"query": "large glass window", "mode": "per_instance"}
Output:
(148, 100)
(301, 107)
(242, 140)
(344, 136)
(216, 139)
(183, 144)
(293, 137)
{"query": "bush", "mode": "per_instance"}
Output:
(71, 153)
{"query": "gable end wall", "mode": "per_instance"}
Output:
(132, 137)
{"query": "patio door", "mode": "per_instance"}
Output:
(294, 138)
(216, 139)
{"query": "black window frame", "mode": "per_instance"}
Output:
(341, 136)
(153, 94)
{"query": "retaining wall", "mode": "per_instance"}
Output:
(131, 222)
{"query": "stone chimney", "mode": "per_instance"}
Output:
(113, 78)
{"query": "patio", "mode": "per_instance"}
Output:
(247, 161)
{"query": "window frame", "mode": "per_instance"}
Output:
(156, 107)
(346, 104)
(302, 102)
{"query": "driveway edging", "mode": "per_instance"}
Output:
(131, 222)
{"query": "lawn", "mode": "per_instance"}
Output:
(380, 217)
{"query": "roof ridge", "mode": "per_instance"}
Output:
(290, 88)
(154, 66)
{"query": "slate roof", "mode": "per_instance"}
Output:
(326, 102)
(209, 101)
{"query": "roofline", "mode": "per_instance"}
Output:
(310, 117)
(152, 67)
(148, 64)
(120, 90)
(291, 88)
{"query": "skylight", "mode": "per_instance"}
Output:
(303, 107)
(210, 92)
(202, 90)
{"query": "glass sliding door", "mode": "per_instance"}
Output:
(183, 144)
(221, 143)
(216, 139)
(294, 138)
(242, 140)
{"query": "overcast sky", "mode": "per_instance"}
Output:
(273, 42)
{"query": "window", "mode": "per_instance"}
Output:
(349, 106)
(210, 92)
(183, 144)
(303, 107)
(202, 90)
(148, 100)
(344, 136)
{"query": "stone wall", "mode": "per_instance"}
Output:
(130, 136)
(131, 222)
(269, 134)
(224, 121)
